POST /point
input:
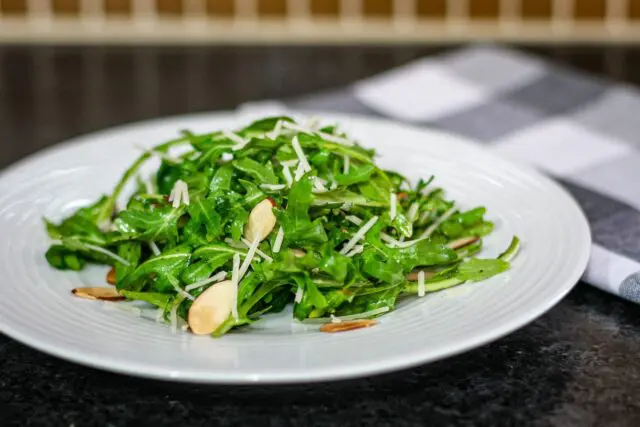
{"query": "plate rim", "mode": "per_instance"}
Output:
(383, 366)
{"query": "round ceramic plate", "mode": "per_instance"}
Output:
(37, 307)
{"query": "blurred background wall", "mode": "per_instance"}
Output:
(318, 21)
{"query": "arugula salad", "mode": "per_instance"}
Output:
(243, 223)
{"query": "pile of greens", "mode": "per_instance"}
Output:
(324, 189)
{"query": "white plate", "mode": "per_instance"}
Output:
(37, 308)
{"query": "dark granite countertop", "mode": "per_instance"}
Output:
(577, 365)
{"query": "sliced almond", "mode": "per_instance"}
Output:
(212, 308)
(104, 294)
(457, 244)
(348, 325)
(111, 276)
(261, 221)
(299, 253)
(413, 276)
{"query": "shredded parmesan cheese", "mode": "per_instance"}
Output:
(299, 295)
(154, 248)
(345, 165)
(421, 288)
(313, 123)
(274, 187)
(424, 217)
(258, 251)
(226, 157)
(287, 175)
(427, 233)
(413, 212)
(277, 244)
(433, 227)
(355, 251)
(290, 163)
(346, 206)
(301, 156)
(240, 142)
(213, 279)
(354, 219)
(277, 130)
(393, 208)
(247, 261)
(179, 194)
(335, 319)
(359, 235)
(176, 285)
(318, 185)
(299, 172)
(334, 138)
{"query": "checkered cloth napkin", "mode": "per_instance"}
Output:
(581, 130)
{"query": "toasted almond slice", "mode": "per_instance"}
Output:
(457, 244)
(261, 221)
(348, 325)
(413, 276)
(211, 308)
(299, 253)
(104, 294)
(111, 276)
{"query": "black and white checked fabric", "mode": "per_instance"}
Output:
(583, 131)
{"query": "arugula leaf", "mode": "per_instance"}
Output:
(158, 225)
(261, 174)
(356, 175)
(170, 262)
(58, 256)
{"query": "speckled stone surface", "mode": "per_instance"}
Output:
(577, 365)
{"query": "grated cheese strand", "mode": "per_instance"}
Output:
(421, 287)
(213, 279)
(247, 261)
(301, 156)
(275, 187)
(240, 142)
(290, 163)
(277, 130)
(413, 212)
(287, 175)
(154, 248)
(427, 233)
(277, 244)
(345, 165)
(433, 227)
(355, 251)
(359, 235)
(299, 172)
(393, 208)
(299, 295)
(176, 285)
(179, 194)
(354, 219)
(258, 251)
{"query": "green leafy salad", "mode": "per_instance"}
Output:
(244, 223)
